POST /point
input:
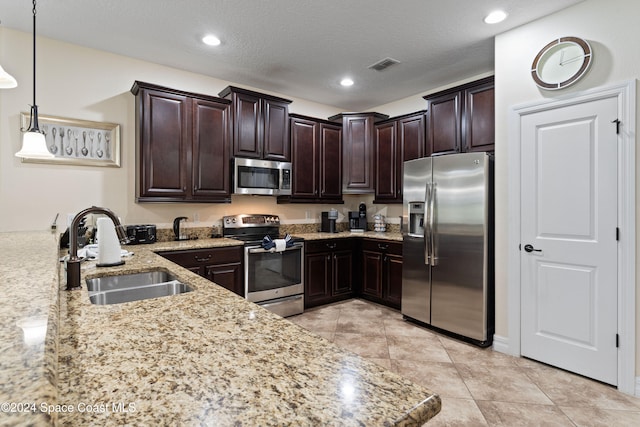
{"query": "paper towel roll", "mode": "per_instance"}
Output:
(109, 251)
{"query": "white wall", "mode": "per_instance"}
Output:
(611, 27)
(80, 83)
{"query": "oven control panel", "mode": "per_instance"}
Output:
(250, 220)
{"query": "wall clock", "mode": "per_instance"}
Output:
(561, 63)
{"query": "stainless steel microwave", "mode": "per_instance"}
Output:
(265, 177)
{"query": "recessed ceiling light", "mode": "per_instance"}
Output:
(346, 82)
(495, 17)
(211, 40)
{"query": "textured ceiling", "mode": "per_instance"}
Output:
(299, 48)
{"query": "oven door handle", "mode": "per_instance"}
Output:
(260, 250)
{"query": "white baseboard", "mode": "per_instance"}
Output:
(637, 389)
(501, 344)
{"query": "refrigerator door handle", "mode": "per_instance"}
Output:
(432, 225)
(427, 228)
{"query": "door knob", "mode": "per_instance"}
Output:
(530, 248)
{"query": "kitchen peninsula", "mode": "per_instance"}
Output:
(203, 357)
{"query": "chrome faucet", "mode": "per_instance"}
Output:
(73, 264)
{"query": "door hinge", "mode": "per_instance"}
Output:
(617, 340)
(617, 122)
(617, 234)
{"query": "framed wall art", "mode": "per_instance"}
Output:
(78, 142)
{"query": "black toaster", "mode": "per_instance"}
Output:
(141, 234)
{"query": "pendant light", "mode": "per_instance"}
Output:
(6, 80)
(34, 145)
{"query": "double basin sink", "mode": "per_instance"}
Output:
(134, 287)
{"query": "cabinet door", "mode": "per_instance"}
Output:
(358, 155)
(387, 161)
(210, 165)
(372, 273)
(275, 130)
(304, 147)
(411, 137)
(165, 146)
(392, 288)
(330, 161)
(317, 285)
(342, 272)
(444, 127)
(480, 118)
(229, 276)
(247, 126)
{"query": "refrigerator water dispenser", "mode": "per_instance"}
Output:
(416, 219)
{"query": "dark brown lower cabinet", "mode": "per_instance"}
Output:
(328, 271)
(382, 271)
(223, 266)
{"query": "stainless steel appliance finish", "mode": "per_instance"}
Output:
(448, 273)
(141, 234)
(274, 280)
(262, 177)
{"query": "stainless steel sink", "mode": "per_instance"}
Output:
(134, 287)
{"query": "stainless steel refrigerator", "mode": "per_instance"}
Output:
(448, 262)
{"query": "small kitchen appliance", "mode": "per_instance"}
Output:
(141, 234)
(273, 279)
(177, 232)
(109, 251)
(261, 177)
(358, 220)
(328, 221)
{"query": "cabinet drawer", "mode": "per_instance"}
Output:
(384, 246)
(210, 256)
(314, 246)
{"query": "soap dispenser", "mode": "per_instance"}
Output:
(179, 235)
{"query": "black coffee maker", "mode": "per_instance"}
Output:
(358, 220)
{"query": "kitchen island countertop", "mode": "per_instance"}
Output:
(207, 357)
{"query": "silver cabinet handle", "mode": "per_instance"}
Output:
(202, 259)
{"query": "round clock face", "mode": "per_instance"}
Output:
(561, 63)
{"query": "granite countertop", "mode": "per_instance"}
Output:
(346, 234)
(204, 357)
(28, 327)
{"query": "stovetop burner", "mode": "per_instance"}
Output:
(251, 227)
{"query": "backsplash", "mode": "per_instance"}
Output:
(166, 234)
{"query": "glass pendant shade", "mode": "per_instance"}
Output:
(6, 80)
(34, 146)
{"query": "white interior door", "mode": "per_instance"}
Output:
(569, 219)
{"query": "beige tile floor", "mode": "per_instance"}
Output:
(478, 387)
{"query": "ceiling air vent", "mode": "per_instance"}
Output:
(384, 64)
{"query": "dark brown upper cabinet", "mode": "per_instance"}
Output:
(182, 146)
(462, 119)
(480, 121)
(397, 140)
(358, 152)
(260, 124)
(316, 157)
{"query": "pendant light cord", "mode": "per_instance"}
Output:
(34, 52)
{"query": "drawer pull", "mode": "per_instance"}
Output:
(383, 247)
(203, 259)
(331, 245)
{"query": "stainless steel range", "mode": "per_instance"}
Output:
(273, 274)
